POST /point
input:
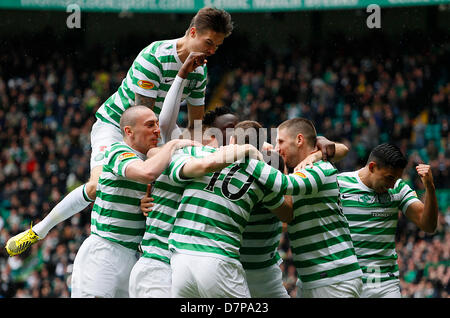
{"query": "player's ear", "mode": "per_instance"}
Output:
(372, 166)
(300, 140)
(127, 130)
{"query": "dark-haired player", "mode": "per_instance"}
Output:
(370, 199)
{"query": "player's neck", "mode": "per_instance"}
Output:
(182, 49)
(363, 174)
(304, 152)
(130, 143)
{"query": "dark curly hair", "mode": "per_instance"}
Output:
(211, 116)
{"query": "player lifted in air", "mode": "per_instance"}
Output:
(146, 83)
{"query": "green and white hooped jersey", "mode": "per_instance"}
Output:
(151, 75)
(373, 223)
(116, 215)
(215, 209)
(159, 223)
(261, 238)
(319, 234)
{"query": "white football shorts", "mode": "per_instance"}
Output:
(386, 289)
(266, 282)
(195, 276)
(102, 269)
(351, 288)
(150, 278)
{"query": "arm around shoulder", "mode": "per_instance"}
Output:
(149, 170)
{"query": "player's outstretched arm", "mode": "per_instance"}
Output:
(170, 109)
(298, 183)
(194, 60)
(147, 171)
(425, 215)
(218, 160)
(171, 106)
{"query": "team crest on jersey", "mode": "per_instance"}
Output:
(300, 174)
(366, 199)
(99, 157)
(384, 198)
(192, 84)
(126, 155)
(145, 84)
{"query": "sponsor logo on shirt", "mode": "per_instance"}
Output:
(126, 155)
(145, 84)
(382, 214)
(300, 174)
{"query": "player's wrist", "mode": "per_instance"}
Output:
(179, 79)
(429, 186)
(182, 73)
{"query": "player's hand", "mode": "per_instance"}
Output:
(424, 172)
(181, 143)
(194, 60)
(153, 151)
(327, 147)
(267, 147)
(308, 161)
(146, 202)
(254, 153)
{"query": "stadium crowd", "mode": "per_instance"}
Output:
(47, 108)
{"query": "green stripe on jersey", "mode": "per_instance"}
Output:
(261, 238)
(160, 220)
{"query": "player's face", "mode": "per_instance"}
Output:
(287, 148)
(146, 131)
(207, 41)
(383, 178)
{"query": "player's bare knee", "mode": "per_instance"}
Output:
(91, 185)
(91, 188)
